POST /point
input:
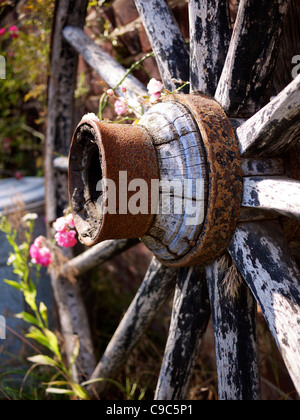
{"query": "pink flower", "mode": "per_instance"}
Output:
(66, 238)
(110, 92)
(154, 86)
(14, 31)
(155, 97)
(70, 221)
(120, 107)
(2, 31)
(18, 175)
(39, 253)
(38, 242)
(61, 224)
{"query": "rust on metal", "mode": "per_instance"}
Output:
(103, 151)
(116, 152)
(225, 180)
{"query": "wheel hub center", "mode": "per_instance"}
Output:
(174, 180)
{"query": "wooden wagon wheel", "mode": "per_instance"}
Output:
(241, 141)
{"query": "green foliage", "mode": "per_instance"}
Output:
(24, 91)
(38, 318)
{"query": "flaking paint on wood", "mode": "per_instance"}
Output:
(265, 261)
(190, 316)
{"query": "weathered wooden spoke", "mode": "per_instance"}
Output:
(157, 285)
(277, 194)
(210, 37)
(107, 67)
(243, 173)
(275, 127)
(264, 259)
(190, 317)
(234, 319)
(251, 57)
(167, 41)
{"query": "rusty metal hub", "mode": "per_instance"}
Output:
(186, 144)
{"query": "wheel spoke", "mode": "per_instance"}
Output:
(106, 66)
(251, 57)
(275, 127)
(277, 194)
(234, 319)
(210, 34)
(167, 41)
(189, 321)
(157, 285)
(98, 255)
(264, 259)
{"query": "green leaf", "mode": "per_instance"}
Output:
(44, 313)
(14, 284)
(57, 383)
(30, 295)
(112, 381)
(59, 391)
(79, 391)
(19, 273)
(40, 359)
(53, 343)
(38, 336)
(30, 319)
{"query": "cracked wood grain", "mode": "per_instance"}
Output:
(266, 263)
(276, 194)
(210, 33)
(234, 320)
(251, 58)
(60, 111)
(60, 124)
(276, 127)
(106, 66)
(98, 255)
(170, 49)
(190, 316)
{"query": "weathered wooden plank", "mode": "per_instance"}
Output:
(264, 259)
(275, 127)
(234, 320)
(60, 118)
(105, 65)
(190, 316)
(263, 167)
(98, 255)
(210, 33)
(167, 41)
(277, 194)
(251, 57)
(74, 323)
(60, 125)
(157, 285)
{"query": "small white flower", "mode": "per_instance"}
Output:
(29, 216)
(154, 86)
(11, 259)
